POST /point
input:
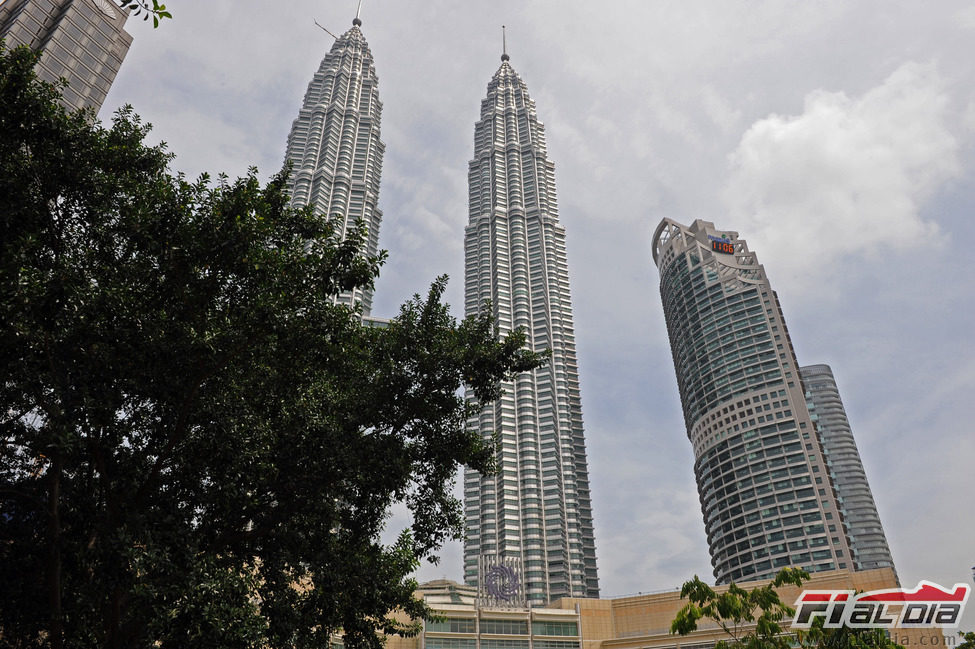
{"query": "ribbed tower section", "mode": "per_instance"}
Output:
(766, 492)
(867, 538)
(334, 147)
(536, 508)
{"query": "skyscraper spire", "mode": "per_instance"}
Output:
(356, 21)
(334, 146)
(534, 516)
(504, 45)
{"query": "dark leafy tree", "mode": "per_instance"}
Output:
(199, 447)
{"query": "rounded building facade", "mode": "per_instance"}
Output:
(766, 495)
(867, 538)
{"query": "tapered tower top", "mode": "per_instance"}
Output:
(334, 147)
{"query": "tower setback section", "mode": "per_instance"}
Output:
(536, 510)
(334, 148)
(765, 488)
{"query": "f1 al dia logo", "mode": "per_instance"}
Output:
(927, 606)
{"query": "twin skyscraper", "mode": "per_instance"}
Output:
(536, 509)
(777, 487)
(534, 515)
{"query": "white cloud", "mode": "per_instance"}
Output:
(719, 110)
(657, 543)
(966, 18)
(846, 177)
(969, 117)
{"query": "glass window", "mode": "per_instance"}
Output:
(453, 625)
(556, 644)
(503, 627)
(490, 643)
(554, 628)
(450, 643)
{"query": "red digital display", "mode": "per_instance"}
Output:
(721, 246)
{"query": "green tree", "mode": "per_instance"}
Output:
(751, 618)
(199, 448)
(968, 640)
(844, 638)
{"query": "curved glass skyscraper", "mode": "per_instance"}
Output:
(765, 488)
(867, 539)
(536, 510)
(334, 146)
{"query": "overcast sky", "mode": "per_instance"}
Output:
(835, 136)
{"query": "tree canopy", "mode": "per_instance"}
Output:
(750, 618)
(200, 447)
(753, 619)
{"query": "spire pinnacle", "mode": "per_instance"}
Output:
(504, 45)
(356, 21)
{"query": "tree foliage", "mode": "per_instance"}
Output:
(147, 9)
(844, 638)
(752, 619)
(199, 447)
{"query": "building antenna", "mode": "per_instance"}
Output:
(504, 44)
(356, 20)
(327, 32)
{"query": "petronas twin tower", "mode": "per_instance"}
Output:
(537, 506)
(334, 148)
(534, 515)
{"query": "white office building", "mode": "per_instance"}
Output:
(763, 478)
(334, 146)
(535, 512)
